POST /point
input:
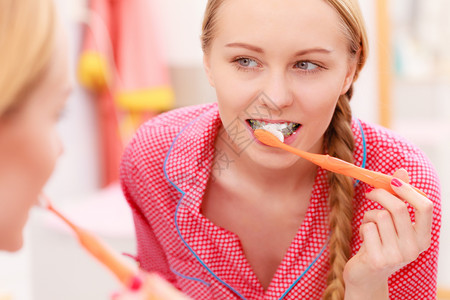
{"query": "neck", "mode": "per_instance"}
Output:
(242, 170)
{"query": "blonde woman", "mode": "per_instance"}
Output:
(223, 216)
(34, 85)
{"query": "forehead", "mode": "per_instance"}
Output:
(300, 23)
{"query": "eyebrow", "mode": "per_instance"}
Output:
(245, 46)
(260, 50)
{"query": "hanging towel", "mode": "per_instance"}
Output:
(122, 62)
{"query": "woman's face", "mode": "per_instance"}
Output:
(278, 62)
(29, 147)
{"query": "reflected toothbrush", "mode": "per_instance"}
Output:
(124, 272)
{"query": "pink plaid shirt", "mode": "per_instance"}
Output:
(164, 174)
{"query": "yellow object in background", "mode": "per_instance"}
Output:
(93, 71)
(443, 294)
(5, 295)
(152, 99)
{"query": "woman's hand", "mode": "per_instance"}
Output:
(390, 239)
(149, 287)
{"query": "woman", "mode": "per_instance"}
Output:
(35, 83)
(34, 80)
(223, 216)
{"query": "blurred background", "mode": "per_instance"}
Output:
(405, 86)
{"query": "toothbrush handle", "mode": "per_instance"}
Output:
(373, 178)
(123, 271)
(104, 254)
(336, 165)
(107, 256)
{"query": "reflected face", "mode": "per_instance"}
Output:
(29, 148)
(283, 62)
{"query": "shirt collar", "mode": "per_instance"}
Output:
(189, 160)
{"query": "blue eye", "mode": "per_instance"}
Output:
(306, 65)
(247, 62)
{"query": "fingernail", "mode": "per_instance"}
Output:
(136, 283)
(369, 189)
(396, 182)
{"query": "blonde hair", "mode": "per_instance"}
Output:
(338, 139)
(26, 45)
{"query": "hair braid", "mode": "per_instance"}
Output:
(340, 143)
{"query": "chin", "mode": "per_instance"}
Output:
(12, 239)
(272, 158)
(12, 245)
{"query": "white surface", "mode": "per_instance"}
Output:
(61, 268)
(364, 101)
(181, 22)
(105, 212)
(15, 273)
(426, 122)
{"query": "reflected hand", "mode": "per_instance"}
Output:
(149, 287)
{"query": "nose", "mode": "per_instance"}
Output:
(278, 90)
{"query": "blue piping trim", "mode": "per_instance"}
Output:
(364, 147)
(196, 255)
(189, 278)
(176, 214)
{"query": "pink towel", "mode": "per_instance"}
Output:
(123, 62)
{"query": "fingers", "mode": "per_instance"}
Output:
(390, 239)
(384, 225)
(397, 210)
(372, 242)
(415, 235)
(149, 286)
(398, 247)
(423, 210)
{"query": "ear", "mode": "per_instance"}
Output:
(350, 76)
(207, 67)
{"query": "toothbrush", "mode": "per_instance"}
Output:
(103, 253)
(333, 164)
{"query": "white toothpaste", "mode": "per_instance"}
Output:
(275, 129)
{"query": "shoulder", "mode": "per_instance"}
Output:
(387, 151)
(143, 160)
(172, 122)
(153, 139)
(381, 138)
(384, 145)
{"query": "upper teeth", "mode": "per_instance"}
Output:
(286, 128)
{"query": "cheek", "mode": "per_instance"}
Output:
(46, 155)
(36, 157)
(26, 165)
(235, 89)
(235, 93)
(318, 100)
(317, 106)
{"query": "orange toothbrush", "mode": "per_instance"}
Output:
(104, 254)
(336, 165)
